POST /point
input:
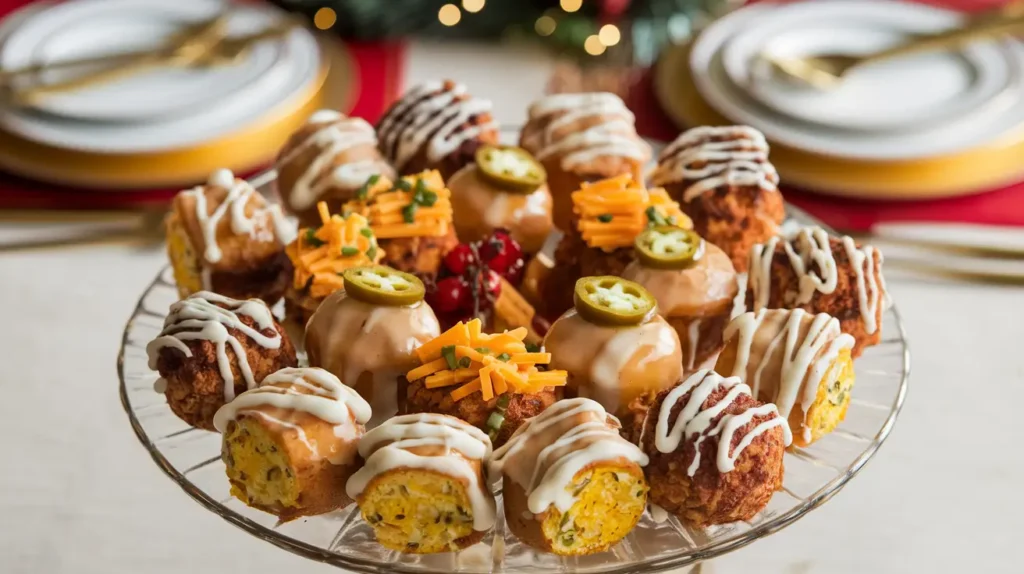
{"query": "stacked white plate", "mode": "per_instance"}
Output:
(922, 106)
(161, 110)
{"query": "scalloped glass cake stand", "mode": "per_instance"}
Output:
(191, 458)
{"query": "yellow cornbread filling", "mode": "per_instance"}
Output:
(829, 407)
(257, 467)
(185, 261)
(418, 511)
(609, 502)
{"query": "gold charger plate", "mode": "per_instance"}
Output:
(976, 171)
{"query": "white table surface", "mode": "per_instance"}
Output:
(78, 494)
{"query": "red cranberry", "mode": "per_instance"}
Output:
(503, 255)
(450, 294)
(459, 259)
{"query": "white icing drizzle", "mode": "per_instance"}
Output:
(201, 317)
(804, 361)
(239, 193)
(693, 340)
(695, 421)
(553, 468)
(326, 399)
(810, 255)
(615, 137)
(741, 160)
(431, 111)
(869, 284)
(387, 448)
(657, 337)
(334, 135)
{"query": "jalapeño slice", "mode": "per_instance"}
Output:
(510, 167)
(381, 285)
(613, 301)
(669, 247)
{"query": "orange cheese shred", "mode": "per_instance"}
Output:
(480, 367)
(612, 212)
(320, 254)
(395, 210)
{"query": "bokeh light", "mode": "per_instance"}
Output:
(593, 45)
(545, 25)
(324, 18)
(449, 14)
(571, 5)
(473, 5)
(609, 35)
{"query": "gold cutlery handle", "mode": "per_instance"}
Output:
(949, 39)
(190, 48)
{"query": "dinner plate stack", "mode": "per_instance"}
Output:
(162, 127)
(935, 124)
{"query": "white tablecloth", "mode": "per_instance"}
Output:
(78, 494)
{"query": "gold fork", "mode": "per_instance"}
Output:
(826, 71)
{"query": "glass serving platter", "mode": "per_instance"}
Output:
(191, 458)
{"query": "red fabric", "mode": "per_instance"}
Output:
(998, 207)
(379, 65)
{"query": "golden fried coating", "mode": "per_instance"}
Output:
(418, 254)
(778, 283)
(711, 496)
(474, 410)
(327, 159)
(194, 385)
(723, 180)
(414, 118)
(250, 265)
(733, 217)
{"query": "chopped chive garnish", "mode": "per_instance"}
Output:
(372, 252)
(429, 199)
(465, 362)
(403, 185)
(448, 352)
(366, 232)
(504, 357)
(312, 239)
(483, 350)
(654, 217)
(409, 213)
(495, 420)
(604, 217)
(502, 403)
(349, 251)
(532, 348)
(364, 190)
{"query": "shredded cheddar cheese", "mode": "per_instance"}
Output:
(489, 364)
(415, 206)
(613, 211)
(321, 254)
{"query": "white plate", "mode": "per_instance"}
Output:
(87, 28)
(735, 103)
(886, 96)
(294, 76)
